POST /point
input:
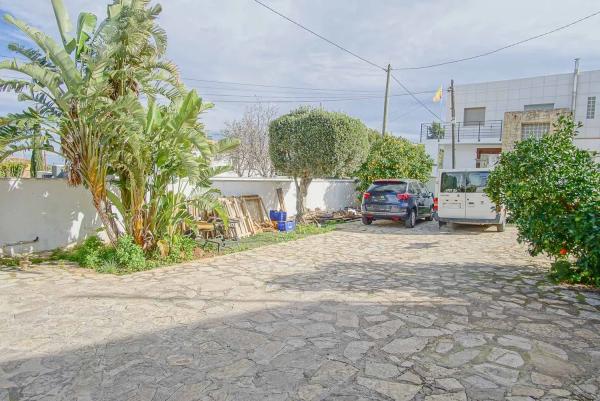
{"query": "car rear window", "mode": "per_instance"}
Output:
(477, 181)
(388, 186)
(452, 182)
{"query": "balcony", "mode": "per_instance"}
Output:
(469, 132)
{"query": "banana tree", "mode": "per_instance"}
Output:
(167, 168)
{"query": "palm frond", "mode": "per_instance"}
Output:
(56, 53)
(32, 54)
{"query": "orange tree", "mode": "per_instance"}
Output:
(393, 157)
(552, 192)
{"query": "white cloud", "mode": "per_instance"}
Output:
(240, 41)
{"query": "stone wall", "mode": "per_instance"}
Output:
(513, 120)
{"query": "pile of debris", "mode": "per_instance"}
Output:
(247, 216)
(319, 217)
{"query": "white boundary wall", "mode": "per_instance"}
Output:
(323, 194)
(61, 215)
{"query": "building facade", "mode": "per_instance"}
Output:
(492, 116)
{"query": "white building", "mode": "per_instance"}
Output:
(491, 116)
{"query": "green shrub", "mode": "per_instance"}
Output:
(552, 192)
(129, 255)
(310, 143)
(12, 168)
(393, 157)
(181, 248)
(89, 253)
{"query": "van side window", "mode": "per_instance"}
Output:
(452, 182)
(477, 181)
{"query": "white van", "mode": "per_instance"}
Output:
(460, 198)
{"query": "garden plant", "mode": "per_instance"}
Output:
(551, 190)
(393, 157)
(310, 143)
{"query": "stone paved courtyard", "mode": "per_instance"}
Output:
(363, 313)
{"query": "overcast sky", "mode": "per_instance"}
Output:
(240, 41)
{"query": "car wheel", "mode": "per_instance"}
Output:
(366, 221)
(411, 219)
(501, 227)
(430, 217)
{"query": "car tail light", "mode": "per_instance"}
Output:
(366, 195)
(403, 196)
(435, 204)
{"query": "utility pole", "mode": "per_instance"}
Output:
(574, 96)
(385, 102)
(453, 114)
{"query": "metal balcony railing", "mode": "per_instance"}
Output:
(491, 129)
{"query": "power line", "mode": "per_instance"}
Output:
(347, 51)
(259, 100)
(416, 98)
(570, 24)
(414, 107)
(319, 36)
(299, 96)
(276, 86)
(290, 99)
(251, 84)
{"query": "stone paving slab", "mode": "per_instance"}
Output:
(363, 313)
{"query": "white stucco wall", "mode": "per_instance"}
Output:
(465, 154)
(322, 194)
(49, 209)
(61, 215)
(499, 97)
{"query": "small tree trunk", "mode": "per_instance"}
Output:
(301, 192)
(108, 223)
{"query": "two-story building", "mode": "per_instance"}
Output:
(492, 116)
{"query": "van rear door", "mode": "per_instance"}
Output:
(451, 198)
(479, 205)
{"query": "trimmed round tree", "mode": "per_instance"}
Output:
(312, 143)
(393, 157)
(551, 189)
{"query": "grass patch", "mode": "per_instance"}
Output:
(9, 262)
(270, 238)
(126, 259)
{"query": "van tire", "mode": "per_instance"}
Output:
(441, 223)
(430, 217)
(367, 221)
(411, 219)
(501, 227)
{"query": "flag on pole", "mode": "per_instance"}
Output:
(438, 95)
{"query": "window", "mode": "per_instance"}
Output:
(474, 116)
(453, 182)
(541, 106)
(477, 181)
(387, 186)
(591, 108)
(536, 130)
(413, 189)
(487, 157)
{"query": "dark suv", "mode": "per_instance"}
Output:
(397, 199)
